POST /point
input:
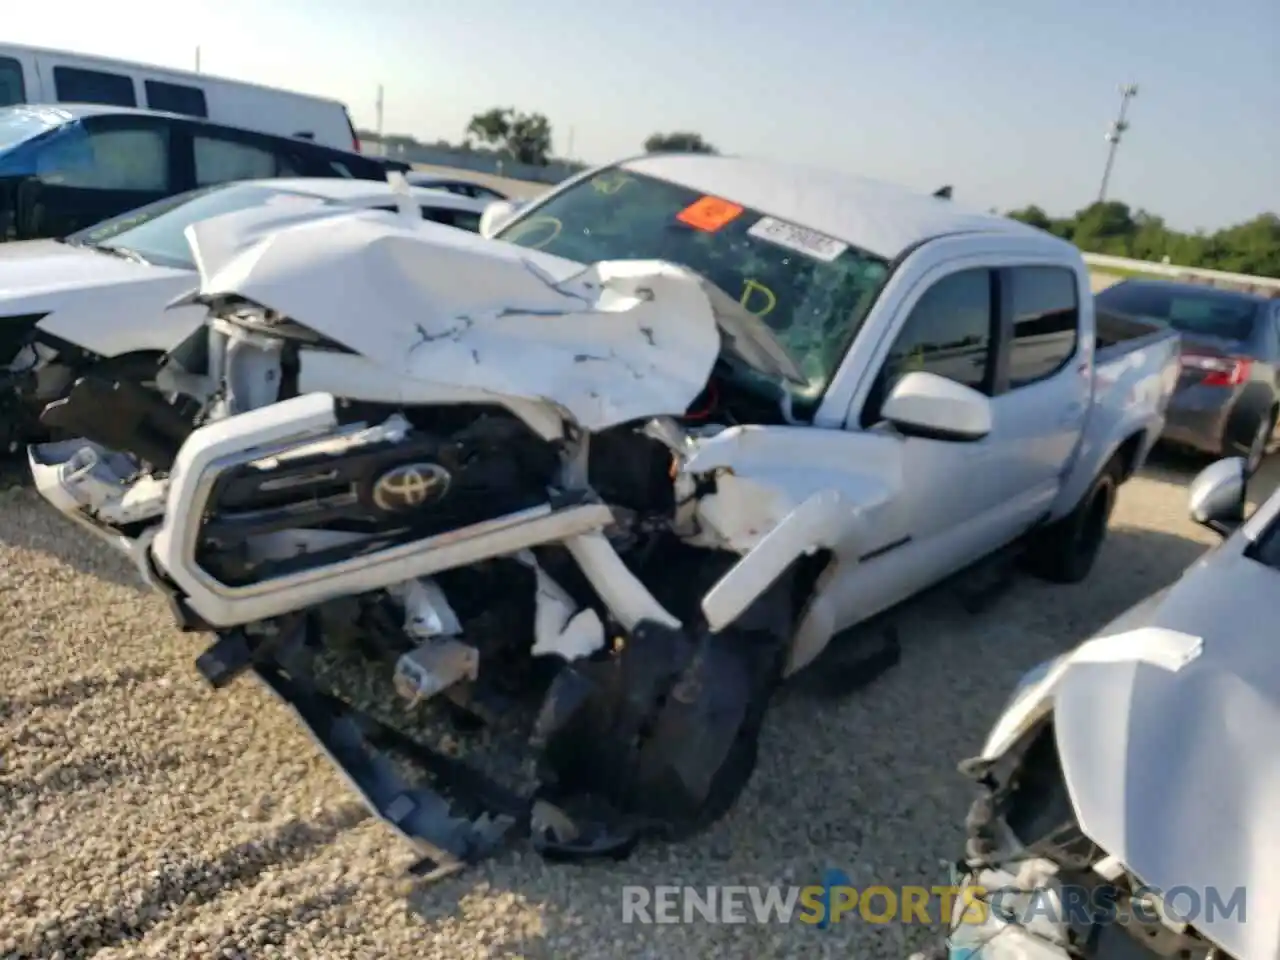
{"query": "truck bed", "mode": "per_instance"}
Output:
(1118, 334)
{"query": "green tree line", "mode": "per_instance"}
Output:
(1112, 228)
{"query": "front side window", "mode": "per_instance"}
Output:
(156, 232)
(131, 159)
(220, 161)
(12, 87)
(74, 85)
(948, 333)
(812, 291)
(1046, 318)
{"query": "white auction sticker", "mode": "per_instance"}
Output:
(798, 238)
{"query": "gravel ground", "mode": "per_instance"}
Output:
(143, 816)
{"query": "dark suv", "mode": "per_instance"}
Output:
(68, 166)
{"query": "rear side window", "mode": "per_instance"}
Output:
(12, 88)
(74, 85)
(176, 98)
(1204, 311)
(1045, 312)
(220, 161)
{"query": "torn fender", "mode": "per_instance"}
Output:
(821, 522)
(763, 473)
(609, 343)
(782, 492)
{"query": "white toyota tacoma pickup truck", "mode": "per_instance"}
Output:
(630, 459)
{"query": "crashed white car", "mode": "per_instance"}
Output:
(639, 458)
(1129, 788)
(94, 302)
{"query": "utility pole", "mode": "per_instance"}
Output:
(1118, 127)
(382, 147)
(569, 153)
(197, 59)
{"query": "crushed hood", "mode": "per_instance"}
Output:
(610, 342)
(42, 275)
(1168, 731)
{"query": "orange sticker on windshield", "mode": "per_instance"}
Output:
(709, 214)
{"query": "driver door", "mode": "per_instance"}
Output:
(952, 507)
(98, 168)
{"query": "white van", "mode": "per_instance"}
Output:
(34, 75)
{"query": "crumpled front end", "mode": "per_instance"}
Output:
(1085, 841)
(495, 508)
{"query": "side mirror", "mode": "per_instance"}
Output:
(927, 405)
(1217, 496)
(496, 216)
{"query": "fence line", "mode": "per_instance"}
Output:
(478, 162)
(1102, 262)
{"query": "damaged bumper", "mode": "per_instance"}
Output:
(639, 733)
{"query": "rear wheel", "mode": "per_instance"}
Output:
(1259, 441)
(1065, 551)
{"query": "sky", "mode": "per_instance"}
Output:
(1008, 100)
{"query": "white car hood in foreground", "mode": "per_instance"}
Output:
(1168, 730)
(94, 299)
(609, 343)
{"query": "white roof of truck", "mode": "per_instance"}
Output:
(879, 217)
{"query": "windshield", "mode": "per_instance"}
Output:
(813, 291)
(20, 124)
(155, 232)
(1208, 312)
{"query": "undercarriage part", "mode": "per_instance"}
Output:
(433, 667)
(121, 416)
(454, 815)
(659, 737)
(853, 659)
(18, 418)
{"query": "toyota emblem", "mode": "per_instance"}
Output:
(410, 485)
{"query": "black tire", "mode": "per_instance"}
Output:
(1251, 438)
(1065, 551)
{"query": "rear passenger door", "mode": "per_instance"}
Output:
(101, 167)
(1043, 384)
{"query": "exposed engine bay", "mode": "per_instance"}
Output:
(1048, 890)
(539, 555)
(1077, 845)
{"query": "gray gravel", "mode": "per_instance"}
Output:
(143, 816)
